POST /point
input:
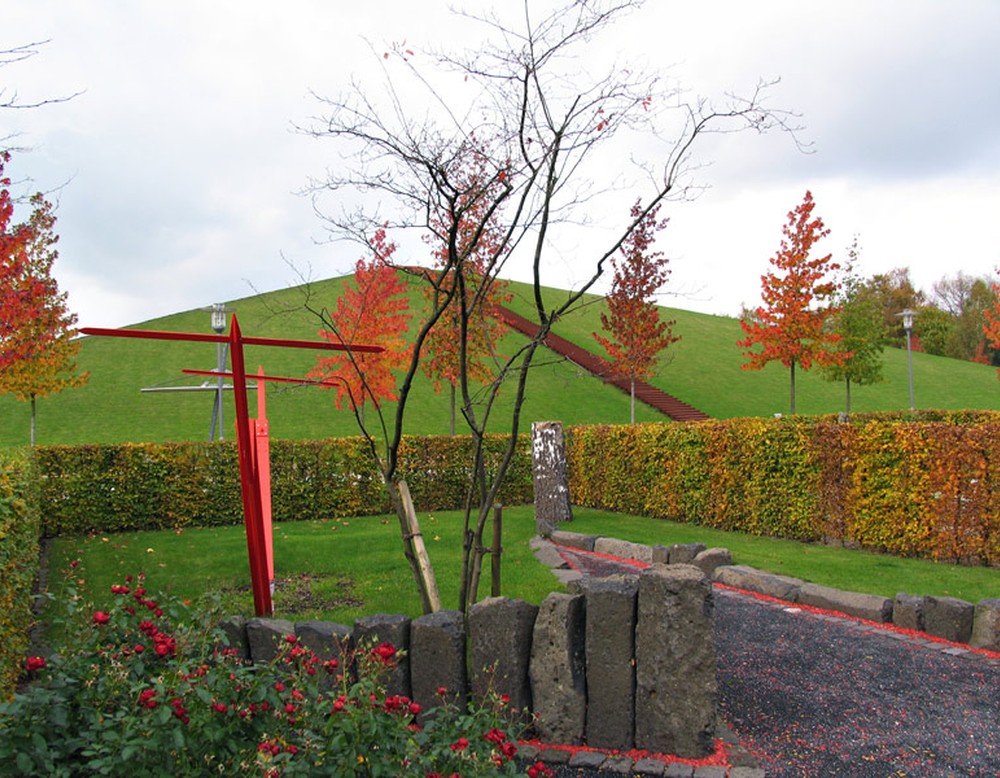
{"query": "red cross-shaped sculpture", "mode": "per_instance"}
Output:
(249, 473)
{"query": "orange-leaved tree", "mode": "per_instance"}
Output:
(636, 333)
(991, 328)
(372, 311)
(461, 346)
(37, 345)
(791, 326)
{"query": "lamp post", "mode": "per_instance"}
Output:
(907, 316)
(219, 311)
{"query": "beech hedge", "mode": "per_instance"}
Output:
(19, 560)
(113, 488)
(923, 485)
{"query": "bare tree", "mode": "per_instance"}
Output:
(551, 140)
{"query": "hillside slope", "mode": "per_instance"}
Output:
(702, 369)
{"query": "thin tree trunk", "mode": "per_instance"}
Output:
(793, 387)
(452, 409)
(32, 420)
(848, 410)
(632, 382)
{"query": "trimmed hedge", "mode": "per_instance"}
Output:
(925, 485)
(114, 488)
(19, 559)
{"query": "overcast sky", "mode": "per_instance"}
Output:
(178, 165)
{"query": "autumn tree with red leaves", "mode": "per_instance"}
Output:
(37, 345)
(372, 310)
(461, 346)
(791, 326)
(636, 333)
(991, 316)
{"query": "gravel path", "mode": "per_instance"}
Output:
(816, 694)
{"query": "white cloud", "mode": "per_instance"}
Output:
(180, 162)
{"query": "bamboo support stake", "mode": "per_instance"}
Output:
(423, 561)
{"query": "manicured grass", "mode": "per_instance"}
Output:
(841, 568)
(702, 369)
(355, 567)
(352, 567)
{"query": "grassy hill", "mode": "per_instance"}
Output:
(703, 369)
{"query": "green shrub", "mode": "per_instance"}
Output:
(19, 557)
(144, 686)
(114, 488)
(925, 484)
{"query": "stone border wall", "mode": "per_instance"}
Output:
(948, 618)
(625, 662)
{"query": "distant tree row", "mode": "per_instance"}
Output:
(819, 311)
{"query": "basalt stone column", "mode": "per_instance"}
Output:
(437, 658)
(327, 641)
(610, 649)
(548, 465)
(265, 637)
(558, 669)
(676, 690)
(500, 648)
(385, 628)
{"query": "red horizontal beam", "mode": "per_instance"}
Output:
(205, 338)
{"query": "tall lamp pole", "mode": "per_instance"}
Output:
(219, 311)
(908, 315)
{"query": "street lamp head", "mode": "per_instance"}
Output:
(907, 316)
(219, 317)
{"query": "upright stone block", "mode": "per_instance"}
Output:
(551, 483)
(329, 642)
(908, 611)
(235, 630)
(437, 658)
(684, 553)
(558, 669)
(986, 625)
(711, 559)
(610, 644)
(949, 618)
(500, 648)
(388, 628)
(265, 637)
(676, 690)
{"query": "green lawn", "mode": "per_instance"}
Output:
(702, 369)
(341, 569)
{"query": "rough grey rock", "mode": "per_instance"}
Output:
(610, 641)
(986, 625)
(649, 766)
(325, 639)
(547, 554)
(500, 648)
(587, 759)
(678, 770)
(711, 559)
(661, 555)
(558, 669)
(388, 628)
(551, 483)
(684, 553)
(949, 618)
(624, 549)
(264, 637)
(908, 611)
(235, 630)
(862, 606)
(676, 690)
(752, 580)
(437, 658)
(574, 540)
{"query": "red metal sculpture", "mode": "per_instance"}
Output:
(251, 438)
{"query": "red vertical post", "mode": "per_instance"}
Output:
(252, 512)
(263, 461)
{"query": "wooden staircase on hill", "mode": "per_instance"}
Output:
(653, 397)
